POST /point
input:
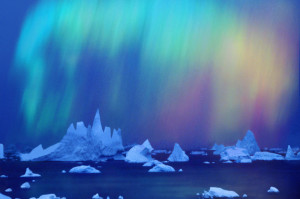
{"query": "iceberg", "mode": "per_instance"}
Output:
(8, 190)
(1, 151)
(96, 196)
(178, 155)
(2, 196)
(239, 155)
(81, 144)
(249, 143)
(84, 169)
(216, 192)
(30, 174)
(48, 196)
(290, 155)
(180, 170)
(273, 190)
(148, 145)
(218, 149)
(160, 167)
(151, 163)
(244, 196)
(199, 153)
(139, 154)
(3, 176)
(267, 156)
(25, 185)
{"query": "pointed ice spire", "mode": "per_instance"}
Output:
(249, 143)
(289, 153)
(178, 155)
(71, 129)
(97, 127)
(148, 145)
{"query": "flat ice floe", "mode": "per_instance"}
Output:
(267, 156)
(199, 153)
(30, 174)
(216, 192)
(48, 196)
(239, 155)
(8, 190)
(178, 155)
(84, 169)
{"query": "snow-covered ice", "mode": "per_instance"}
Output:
(219, 193)
(81, 144)
(249, 143)
(178, 155)
(30, 174)
(139, 154)
(84, 169)
(25, 185)
(267, 156)
(273, 190)
(162, 168)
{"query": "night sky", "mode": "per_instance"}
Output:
(193, 72)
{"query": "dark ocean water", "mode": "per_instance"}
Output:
(134, 182)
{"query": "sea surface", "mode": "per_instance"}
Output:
(133, 181)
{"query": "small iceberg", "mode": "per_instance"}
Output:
(199, 153)
(30, 174)
(180, 170)
(151, 163)
(216, 192)
(120, 197)
(266, 156)
(244, 196)
(8, 190)
(273, 190)
(48, 196)
(290, 155)
(3, 176)
(96, 196)
(2, 196)
(139, 153)
(162, 168)
(1, 151)
(178, 155)
(63, 171)
(25, 185)
(206, 162)
(84, 169)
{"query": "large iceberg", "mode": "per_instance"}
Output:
(248, 143)
(239, 155)
(81, 144)
(178, 155)
(1, 151)
(267, 156)
(139, 153)
(216, 192)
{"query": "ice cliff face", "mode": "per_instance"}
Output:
(249, 143)
(81, 144)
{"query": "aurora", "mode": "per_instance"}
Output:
(197, 72)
